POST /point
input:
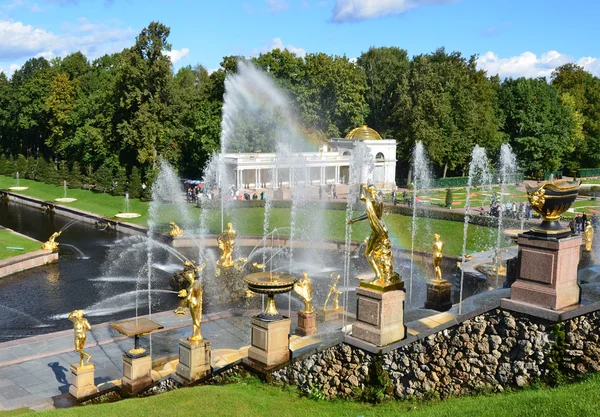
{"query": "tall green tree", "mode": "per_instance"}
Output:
(144, 96)
(384, 68)
(540, 127)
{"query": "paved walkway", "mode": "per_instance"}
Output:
(35, 369)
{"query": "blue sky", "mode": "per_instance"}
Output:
(512, 37)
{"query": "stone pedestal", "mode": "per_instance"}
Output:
(329, 315)
(137, 372)
(548, 275)
(379, 316)
(586, 259)
(270, 344)
(438, 295)
(194, 360)
(307, 323)
(82, 381)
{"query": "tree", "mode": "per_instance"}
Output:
(540, 127)
(383, 67)
(580, 92)
(120, 182)
(143, 95)
(60, 103)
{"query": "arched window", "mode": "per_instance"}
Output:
(380, 157)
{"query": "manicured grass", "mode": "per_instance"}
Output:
(98, 203)
(325, 224)
(252, 398)
(7, 238)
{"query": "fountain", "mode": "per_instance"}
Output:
(126, 214)
(18, 186)
(64, 198)
(51, 244)
(421, 182)
(479, 174)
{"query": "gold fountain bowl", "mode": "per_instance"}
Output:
(270, 282)
(552, 198)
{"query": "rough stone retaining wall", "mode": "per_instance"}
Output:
(489, 352)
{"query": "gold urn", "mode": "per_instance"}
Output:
(551, 199)
(270, 283)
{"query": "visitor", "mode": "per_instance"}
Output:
(394, 199)
(404, 198)
(334, 192)
(572, 225)
(577, 223)
(594, 221)
(263, 196)
(584, 220)
(482, 211)
(246, 196)
(320, 193)
(255, 196)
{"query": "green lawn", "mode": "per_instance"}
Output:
(249, 221)
(252, 398)
(7, 238)
(102, 204)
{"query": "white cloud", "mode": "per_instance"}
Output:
(9, 71)
(177, 54)
(357, 10)
(276, 6)
(529, 64)
(277, 43)
(19, 41)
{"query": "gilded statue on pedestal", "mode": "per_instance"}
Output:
(226, 243)
(438, 254)
(194, 300)
(333, 290)
(304, 289)
(51, 244)
(80, 326)
(191, 273)
(378, 250)
(588, 235)
(176, 231)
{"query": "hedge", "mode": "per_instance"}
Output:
(589, 172)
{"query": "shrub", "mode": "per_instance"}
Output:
(449, 198)
(21, 166)
(49, 175)
(410, 186)
(135, 183)
(103, 178)
(75, 178)
(63, 173)
(3, 162)
(120, 183)
(32, 166)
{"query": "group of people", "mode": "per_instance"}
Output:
(331, 192)
(579, 222)
(510, 209)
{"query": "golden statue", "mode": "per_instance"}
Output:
(194, 300)
(378, 249)
(51, 244)
(304, 289)
(81, 326)
(438, 249)
(588, 235)
(226, 243)
(333, 290)
(190, 272)
(176, 231)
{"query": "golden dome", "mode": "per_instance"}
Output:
(363, 133)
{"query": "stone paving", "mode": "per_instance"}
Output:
(36, 369)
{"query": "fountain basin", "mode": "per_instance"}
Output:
(270, 283)
(127, 215)
(65, 200)
(18, 188)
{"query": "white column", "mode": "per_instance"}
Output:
(337, 174)
(258, 181)
(322, 182)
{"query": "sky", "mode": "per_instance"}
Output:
(511, 38)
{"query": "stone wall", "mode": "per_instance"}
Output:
(489, 352)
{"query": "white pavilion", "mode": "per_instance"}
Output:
(329, 165)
